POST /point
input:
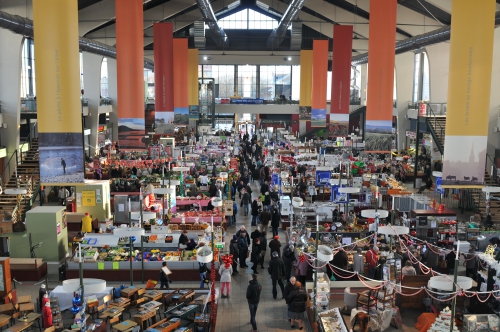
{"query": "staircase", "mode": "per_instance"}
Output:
(437, 125)
(479, 199)
(311, 133)
(27, 177)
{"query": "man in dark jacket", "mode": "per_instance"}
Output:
(235, 251)
(277, 271)
(275, 221)
(265, 217)
(241, 230)
(263, 249)
(255, 211)
(264, 188)
(275, 245)
(163, 277)
(256, 234)
(243, 248)
(288, 259)
(253, 298)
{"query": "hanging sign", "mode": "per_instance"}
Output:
(323, 178)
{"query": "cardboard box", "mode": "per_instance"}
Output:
(6, 227)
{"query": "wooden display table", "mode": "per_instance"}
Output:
(153, 295)
(178, 296)
(4, 320)
(31, 318)
(121, 302)
(165, 326)
(127, 325)
(144, 316)
(111, 312)
(129, 292)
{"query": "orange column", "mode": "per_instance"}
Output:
(381, 47)
(163, 34)
(319, 83)
(181, 81)
(130, 72)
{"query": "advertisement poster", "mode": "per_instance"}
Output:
(131, 132)
(181, 116)
(88, 198)
(378, 135)
(318, 117)
(305, 113)
(323, 178)
(194, 112)
(61, 158)
(339, 125)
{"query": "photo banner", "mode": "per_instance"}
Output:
(381, 47)
(469, 83)
(60, 137)
(319, 83)
(130, 73)
(318, 117)
(341, 80)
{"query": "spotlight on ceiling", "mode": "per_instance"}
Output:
(288, 58)
(206, 58)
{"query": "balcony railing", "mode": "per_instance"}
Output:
(28, 105)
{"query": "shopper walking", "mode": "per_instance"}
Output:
(255, 211)
(275, 245)
(202, 270)
(243, 248)
(163, 277)
(253, 297)
(225, 272)
(245, 201)
(263, 249)
(288, 288)
(288, 259)
(275, 221)
(277, 271)
(233, 250)
(256, 255)
(265, 218)
(302, 271)
(297, 299)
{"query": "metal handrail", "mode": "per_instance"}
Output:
(429, 110)
(495, 168)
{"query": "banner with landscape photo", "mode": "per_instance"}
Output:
(378, 135)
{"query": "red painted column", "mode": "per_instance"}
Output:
(164, 72)
(341, 80)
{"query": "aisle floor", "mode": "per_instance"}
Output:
(233, 313)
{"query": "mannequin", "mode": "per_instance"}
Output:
(47, 315)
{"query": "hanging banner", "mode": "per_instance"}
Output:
(163, 36)
(306, 62)
(319, 83)
(193, 77)
(318, 117)
(469, 86)
(181, 82)
(323, 178)
(130, 73)
(60, 137)
(341, 80)
(194, 112)
(378, 131)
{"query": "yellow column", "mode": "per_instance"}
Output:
(193, 76)
(469, 83)
(58, 91)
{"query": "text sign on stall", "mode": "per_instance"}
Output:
(323, 178)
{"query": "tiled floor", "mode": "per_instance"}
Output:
(233, 313)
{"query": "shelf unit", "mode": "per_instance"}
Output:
(322, 292)
(488, 279)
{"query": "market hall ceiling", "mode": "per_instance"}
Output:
(317, 17)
